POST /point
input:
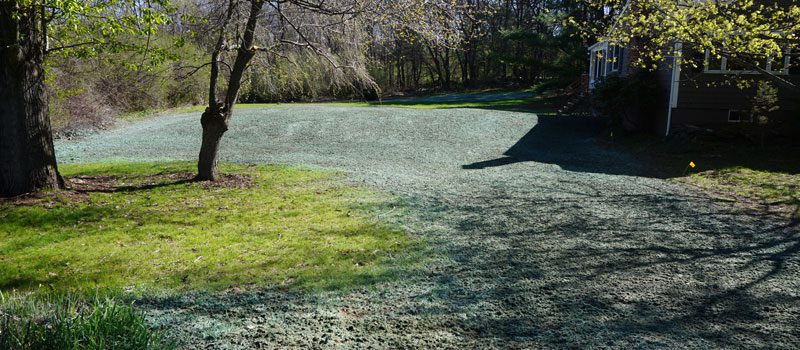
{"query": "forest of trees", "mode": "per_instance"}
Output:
(476, 44)
(501, 43)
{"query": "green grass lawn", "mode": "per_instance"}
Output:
(143, 226)
(766, 185)
(776, 191)
(388, 103)
(458, 104)
(539, 103)
(770, 188)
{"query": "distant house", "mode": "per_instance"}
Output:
(706, 96)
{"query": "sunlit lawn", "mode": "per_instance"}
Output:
(766, 187)
(290, 227)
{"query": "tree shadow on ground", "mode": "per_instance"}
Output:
(652, 270)
(590, 269)
(116, 184)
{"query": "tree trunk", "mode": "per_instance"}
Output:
(214, 126)
(215, 119)
(446, 68)
(27, 156)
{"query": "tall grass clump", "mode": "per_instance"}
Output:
(67, 321)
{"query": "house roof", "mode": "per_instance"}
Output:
(597, 44)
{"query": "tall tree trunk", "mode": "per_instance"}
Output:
(446, 69)
(27, 157)
(437, 65)
(215, 119)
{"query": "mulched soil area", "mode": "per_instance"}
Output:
(539, 238)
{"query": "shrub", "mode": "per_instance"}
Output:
(89, 92)
(764, 102)
(630, 102)
(65, 321)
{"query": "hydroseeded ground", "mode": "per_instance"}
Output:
(542, 239)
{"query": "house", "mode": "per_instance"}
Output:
(703, 94)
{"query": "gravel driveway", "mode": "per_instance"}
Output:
(541, 239)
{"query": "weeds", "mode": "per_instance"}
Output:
(68, 321)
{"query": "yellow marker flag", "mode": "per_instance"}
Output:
(691, 164)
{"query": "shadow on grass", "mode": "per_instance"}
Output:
(671, 155)
(580, 144)
(610, 274)
(570, 143)
(122, 184)
(137, 188)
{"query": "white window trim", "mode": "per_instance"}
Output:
(787, 58)
(598, 67)
(613, 60)
(724, 66)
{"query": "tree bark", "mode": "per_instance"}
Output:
(27, 157)
(215, 119)
(215, 125)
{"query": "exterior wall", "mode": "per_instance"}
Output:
(704, 100)
(786, 122)
(664, 80)
(655, 121)
(600, 68)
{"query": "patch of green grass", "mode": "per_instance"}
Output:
(291, 227)
(458, 104)
(513, 104)
(390, 103)
(65, 321)
(763, 186)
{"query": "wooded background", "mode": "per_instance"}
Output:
(489, 44)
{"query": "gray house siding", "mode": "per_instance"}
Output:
(664, 79)
(705, 100)
(700, 98)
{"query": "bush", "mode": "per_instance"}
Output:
(630, 102)
(86, 93)
(46, 321)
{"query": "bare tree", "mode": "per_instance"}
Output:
(331, 30)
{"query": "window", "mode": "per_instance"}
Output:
(694, 60)
(604, 59)
(780, 65)
(733, 64)
(598, 63)
(714, 63)
(739, 116)
(615, 57)
(794, 63)
(598, 67)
